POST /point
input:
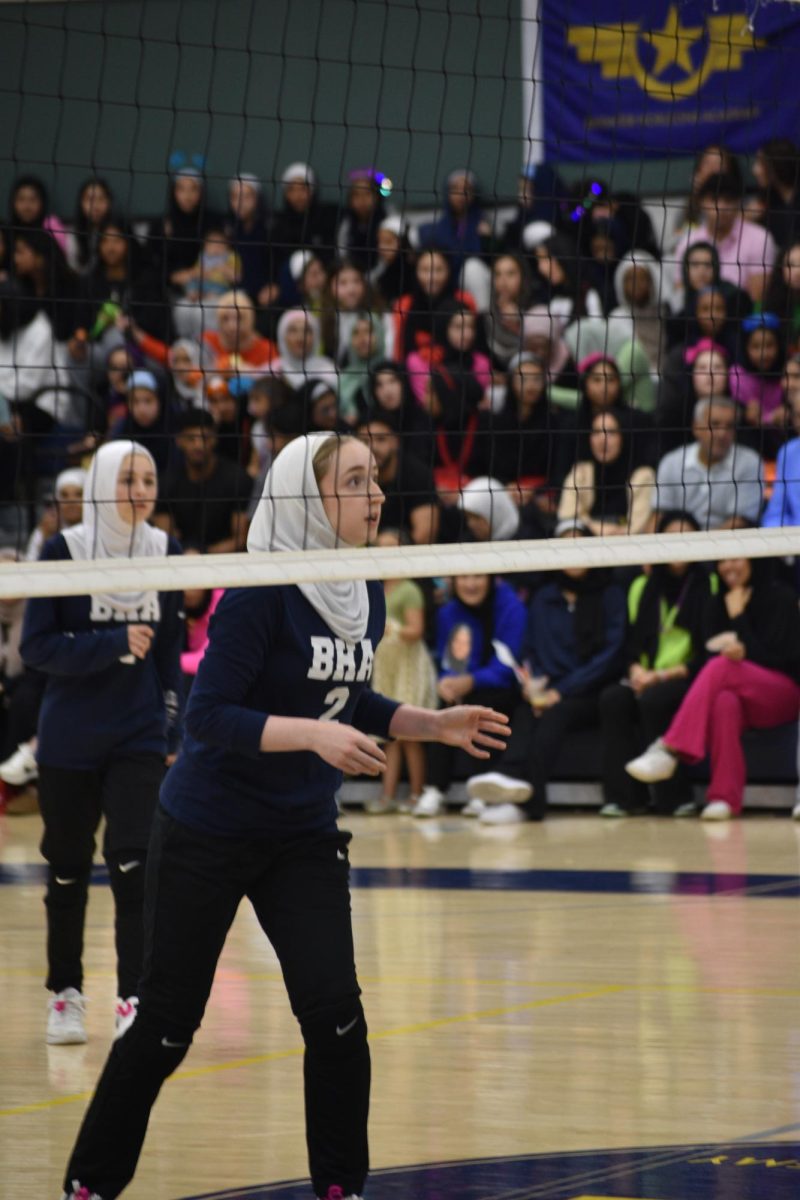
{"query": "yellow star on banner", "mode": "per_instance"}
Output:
(673, 43)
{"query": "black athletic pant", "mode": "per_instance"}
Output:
(540, 739)
(299, 888)
(629, 723)
(443, 761)
(125, 792)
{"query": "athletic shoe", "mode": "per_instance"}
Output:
(503, 814)
(379, 805)
(336, 1193)
(65, 1021)
(612, 810)
(430, 803)
(80, 1193)
(717, 810)
(21, 767)
(689, 809)
(474, 808)
(124, 1015)
(496, 788)
(796, 812)
(656, 764)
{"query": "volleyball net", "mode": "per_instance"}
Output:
(544, 261)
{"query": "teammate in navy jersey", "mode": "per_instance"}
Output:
(280, 708)
(109, 718)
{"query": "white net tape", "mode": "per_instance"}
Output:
(406, 562)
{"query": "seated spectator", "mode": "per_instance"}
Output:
(35, 368)
(364, 210)
(93, 209)
(365, 350)
(601, 389)
(393, 270)
(572, 648)
(41, 272)
(304, 283)
(403, 670)
(482, 610)
(699, 271)
(783, 507)
(563, 286)
(215, 274)
(746, 251)
(777, 171)
(29, 210)
(203, 498)
(112, 387)
(297, 361)
(319, 401)
(228, 409)
(701, 372)
(756, 383)
(176, 239)
(750, 682)
(186, 374)
(712, 478)
(608, 492)
(248, 230)
(415, 312)
(491, 515)
(410, 501)
(543, 335)
(64, 511)
(783, 294)
(607, 244)
(147, 420)
(711, 319)
(346, 300)
(664, 649)
(503, 324)
(539, 193)
(640, 310)
(461, 232)
(712, 160)
(521, 443)
(121, 283)
(304, 222)
(388, 394)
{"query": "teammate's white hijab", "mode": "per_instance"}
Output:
(291, 516)
(102, 532)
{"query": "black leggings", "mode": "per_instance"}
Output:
(299, 888)
(445, 762)
(125, 792)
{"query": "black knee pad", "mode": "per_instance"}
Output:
(126, 870)
(67, 886)
(336, 1032)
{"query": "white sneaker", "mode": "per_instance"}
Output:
(655, 765)
(380, 805)
(65, 1021)
(430, 803)
(496, 788)
(473, 808)
(612, 810)
(80, 1193)
(124, 1015)
(21, 767)
(503, 814)
(796, 812)
(689, 809)
(717, 810)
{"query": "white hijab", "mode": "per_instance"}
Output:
(102, 533)
(291, 516)
(297, 371)
(488, 498)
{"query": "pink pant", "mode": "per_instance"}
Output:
(725, 699)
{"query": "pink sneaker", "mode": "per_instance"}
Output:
(80, 1193)
(336, 1193)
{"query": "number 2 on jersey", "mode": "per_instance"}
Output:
(336, 700)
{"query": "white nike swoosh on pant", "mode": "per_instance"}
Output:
(65, 881)
(128, 866)
(173, 1045)
(340, 1032)
(341, 854)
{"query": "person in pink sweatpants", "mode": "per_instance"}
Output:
(753, 631)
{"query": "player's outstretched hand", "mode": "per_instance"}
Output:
(348, 749)
(472, 728)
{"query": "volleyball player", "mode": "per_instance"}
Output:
(281, 706)
(113, 673)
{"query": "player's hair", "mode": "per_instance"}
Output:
(329, 449)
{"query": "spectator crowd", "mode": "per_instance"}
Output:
(559, 370)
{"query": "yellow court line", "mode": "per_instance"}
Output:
(399, 1031)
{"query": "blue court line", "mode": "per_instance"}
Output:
(657, 883)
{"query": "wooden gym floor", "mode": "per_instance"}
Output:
(582, 1008)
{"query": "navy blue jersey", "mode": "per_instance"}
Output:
(270, 653)
(95, 703)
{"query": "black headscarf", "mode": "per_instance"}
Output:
(611, 479)
(590, 613)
